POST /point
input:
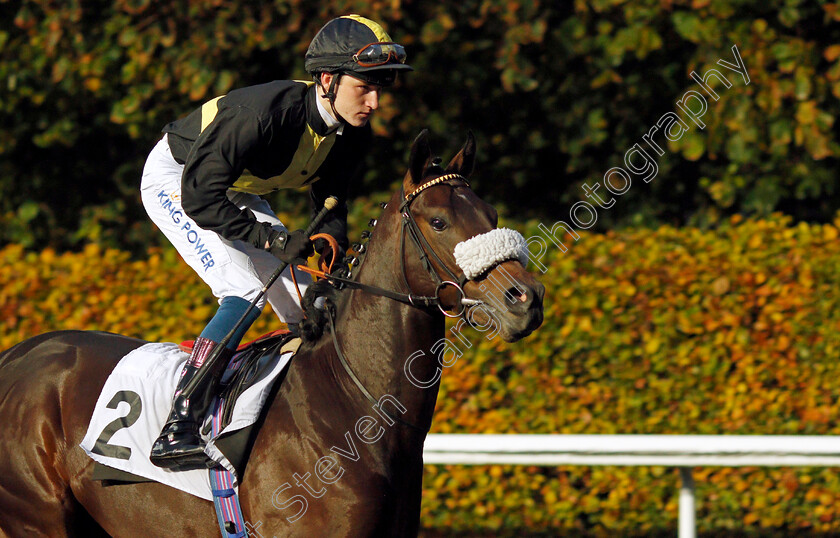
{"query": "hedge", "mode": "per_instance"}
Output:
(730, 331)
(556, 93)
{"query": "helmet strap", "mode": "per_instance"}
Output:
(330, 94)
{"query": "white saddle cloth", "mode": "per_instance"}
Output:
(135, 403)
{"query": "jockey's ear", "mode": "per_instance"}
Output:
(421, 156)
(464, 162)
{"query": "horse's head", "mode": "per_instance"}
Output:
(451, 247)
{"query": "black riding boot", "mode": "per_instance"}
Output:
(179, 446)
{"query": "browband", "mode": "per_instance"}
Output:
(436, 181)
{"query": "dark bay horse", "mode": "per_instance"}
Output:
(326, 461)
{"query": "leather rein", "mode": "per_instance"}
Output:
(410, 229)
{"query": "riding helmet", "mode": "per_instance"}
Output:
(336, 46)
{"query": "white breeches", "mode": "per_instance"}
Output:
(229, 268)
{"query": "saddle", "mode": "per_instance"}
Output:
(247, 367)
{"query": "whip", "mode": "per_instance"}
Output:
(214, 355)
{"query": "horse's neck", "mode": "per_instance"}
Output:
(379, 335)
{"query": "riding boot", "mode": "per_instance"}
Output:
(179, 446)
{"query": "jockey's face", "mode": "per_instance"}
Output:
(355, 100)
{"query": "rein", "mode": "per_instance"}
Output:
(406, 298)
(409, 228)
(358, 382)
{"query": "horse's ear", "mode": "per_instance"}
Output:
(464, 162)
(421, 155)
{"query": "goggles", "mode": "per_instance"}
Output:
(376, 54)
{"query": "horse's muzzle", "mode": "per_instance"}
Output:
(515, 308)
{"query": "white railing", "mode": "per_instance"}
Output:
(681, 451)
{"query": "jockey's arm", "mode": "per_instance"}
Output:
(215, 162)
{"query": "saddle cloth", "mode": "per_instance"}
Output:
(135, 402)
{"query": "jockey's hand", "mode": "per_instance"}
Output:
(292, 248)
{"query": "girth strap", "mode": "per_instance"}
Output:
(226, 502)
(225, 499)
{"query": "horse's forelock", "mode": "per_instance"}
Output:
(434, 171)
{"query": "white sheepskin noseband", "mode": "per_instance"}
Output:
(478, 254)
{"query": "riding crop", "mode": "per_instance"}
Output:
(214, 355)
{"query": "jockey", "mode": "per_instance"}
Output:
(202, 186)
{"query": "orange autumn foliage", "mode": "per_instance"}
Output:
(683, 331)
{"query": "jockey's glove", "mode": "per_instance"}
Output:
(292, 248)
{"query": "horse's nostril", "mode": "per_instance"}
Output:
(516, 293)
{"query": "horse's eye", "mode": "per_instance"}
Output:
(438, 224)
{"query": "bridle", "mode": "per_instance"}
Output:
(412, 230)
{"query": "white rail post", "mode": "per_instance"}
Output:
(687, 524)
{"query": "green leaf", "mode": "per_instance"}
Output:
(687, 25)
